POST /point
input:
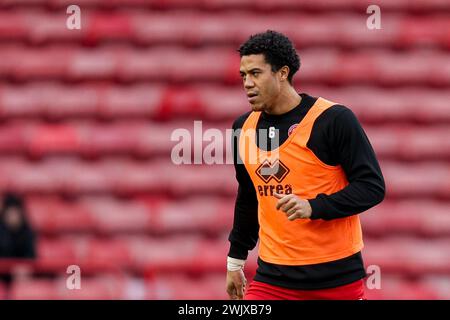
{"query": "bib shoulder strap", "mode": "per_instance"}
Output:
(305, 127)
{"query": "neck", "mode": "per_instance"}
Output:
(287, 100)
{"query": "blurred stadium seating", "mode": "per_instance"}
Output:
(87, 115)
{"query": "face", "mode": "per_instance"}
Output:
(261, 84)
(13, 218)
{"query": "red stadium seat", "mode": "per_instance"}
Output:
(438, 284)
(182, 287)
(98, 288)
(125, 176)
(93, 64)
(52, 138)
(190, 179)
(419, 217)
(110, 139)
(163, 28)
(34, 289)
(12, 26)
(144, 27)
(56, 255)
(214, 102)
(129, 177)
(83, 178)
(180, 102)
(101, 255)
(48, 63)
(101, 288)
(110, 215)
(427, 31)
(177, 253)
(48, 100)
(97, 139)
(152, 139)
(107, 215)
(23, 177)
(61, 102)
(398, 288)
(52, 215)
(410, 142)
(104, 26)
(402, 105)
(12, 139)
(326, 66)
(408, 255)
(320, 5)
(220, 103)
(90, 254)
(422, 179)
(197, 214)
(44, 26)
(140, 100)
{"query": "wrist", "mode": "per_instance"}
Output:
(234, 264)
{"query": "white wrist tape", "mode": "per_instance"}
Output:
(235, 264)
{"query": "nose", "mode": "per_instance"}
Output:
(248, 83)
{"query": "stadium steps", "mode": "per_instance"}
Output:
(126, 64)
(142, 27)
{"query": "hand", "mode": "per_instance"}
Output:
(293, 206)
(236, 283)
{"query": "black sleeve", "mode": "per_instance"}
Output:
(352, 150)
(244, 234)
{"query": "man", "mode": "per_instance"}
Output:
(313, 173)
(17, 237)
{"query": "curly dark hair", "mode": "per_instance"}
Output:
(277, 49)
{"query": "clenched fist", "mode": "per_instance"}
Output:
(236, 283)
(293, 206)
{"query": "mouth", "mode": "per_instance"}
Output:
(252, 96)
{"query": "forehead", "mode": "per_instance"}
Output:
(253, 61)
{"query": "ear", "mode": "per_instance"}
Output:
(284, 73)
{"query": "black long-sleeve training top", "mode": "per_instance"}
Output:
(337, 138)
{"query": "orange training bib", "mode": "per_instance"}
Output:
(293, 168)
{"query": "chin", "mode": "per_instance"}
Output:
(257, 107)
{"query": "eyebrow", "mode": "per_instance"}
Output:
(251, 70)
